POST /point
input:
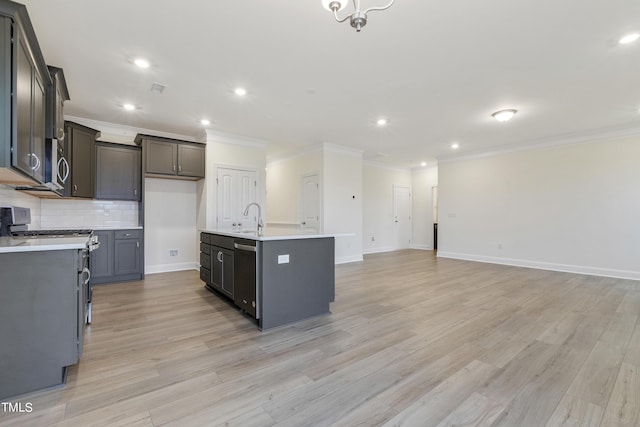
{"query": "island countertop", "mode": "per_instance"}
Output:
(275, 233)
(30, 244)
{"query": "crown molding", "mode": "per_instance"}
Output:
(379, 165)
(335, 148)
(232, 139)
(123, 133)
(313, 149)
(568, 139)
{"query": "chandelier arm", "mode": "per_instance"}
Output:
(335, 15)
(379, 7)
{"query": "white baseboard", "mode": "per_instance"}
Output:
(378, 250)
(579, 269)
(421, 246)
(165, 268)
(347, 259)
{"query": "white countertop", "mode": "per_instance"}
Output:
(275, 234)
(24, 244)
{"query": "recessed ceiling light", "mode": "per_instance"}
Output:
(129, 107)
(205, 122)
(455, 146)
(504, 115)
(382, 122)
(142, 63)
(629, 38)
(240, 91)
(423, 164)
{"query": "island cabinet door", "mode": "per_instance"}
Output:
(217, 259)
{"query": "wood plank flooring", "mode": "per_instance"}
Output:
(412, 341)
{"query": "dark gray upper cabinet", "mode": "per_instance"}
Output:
(118, 172)
(57, 94)
(24, 80)
(79, 145)
(166, 157)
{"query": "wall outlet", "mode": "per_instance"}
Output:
(173, 252)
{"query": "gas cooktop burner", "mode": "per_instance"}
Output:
(52, 233)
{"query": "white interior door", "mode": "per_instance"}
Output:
(247, 186)
(311, 203)
(236, 189)
(402, 216)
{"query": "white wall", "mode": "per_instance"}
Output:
(284, 187)
(229, 151)
(342, 199)
(378, 182)
(570, 208)
(423, 181)
(170, 223)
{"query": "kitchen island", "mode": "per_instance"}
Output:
(42, 310)
(276, 278)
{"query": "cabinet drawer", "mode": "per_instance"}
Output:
(205, 275)
(128, 234)
(205, 249)
(205, 238)
(205, 260)
(225, 242)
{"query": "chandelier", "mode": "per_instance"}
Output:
(358, 18)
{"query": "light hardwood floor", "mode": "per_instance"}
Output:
(412, 340)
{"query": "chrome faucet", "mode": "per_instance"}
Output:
(260, 223)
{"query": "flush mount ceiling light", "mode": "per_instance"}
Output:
(142, 63)
(630, 38)
(205, 122)
(129, 107)
(504, 115)
(240, 91)
(358, 18)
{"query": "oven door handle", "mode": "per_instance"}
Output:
(88, 273)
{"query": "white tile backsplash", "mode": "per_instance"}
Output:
(68, 213)
(97, 214)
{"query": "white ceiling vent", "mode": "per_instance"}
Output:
(158, 88)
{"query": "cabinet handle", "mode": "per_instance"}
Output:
(180, 168)
(88, 273)
(174, 168)
(127, 234)
(137, 244)
(37, 166)
(75, 188)
(220, 255)
(64, 162)
(135, 192)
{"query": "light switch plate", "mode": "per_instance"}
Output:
(283, 259)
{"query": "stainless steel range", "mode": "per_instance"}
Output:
(14, 222)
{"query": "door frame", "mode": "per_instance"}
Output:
(320, 211)
(396, 187)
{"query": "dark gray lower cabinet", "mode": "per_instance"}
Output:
(275, 281)
(41, 318)
(119, 257)
(217, 256)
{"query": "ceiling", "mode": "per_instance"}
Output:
(435, 69)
